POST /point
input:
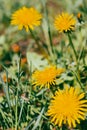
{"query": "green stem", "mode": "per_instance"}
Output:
(8, 92)
(72, 46)
(18, 82)
(35, 38)
(84, 62)
(75, 74)
(50, 47)
(81, 54)
(38, 40)
(49, 31)
(21, 111)
(16, 113)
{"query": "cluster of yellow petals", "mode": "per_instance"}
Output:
(46, 77)
(67, 107)
(30, 17)
(65, 22)
(26, 17)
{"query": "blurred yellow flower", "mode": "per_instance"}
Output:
(26, 17)
(67, 107)
(79, 15)
(65, 22)
(46, 77)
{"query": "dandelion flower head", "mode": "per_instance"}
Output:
(47, 76)
(67, 107)
(79, 15)
(65, 22)
(26, 17)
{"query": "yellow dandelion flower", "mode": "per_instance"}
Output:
(26, 17)
(65, 22)
(47, 76)
(67, 107)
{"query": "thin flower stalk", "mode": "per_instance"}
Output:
(51, 51)
(37, 40)
(72, 46)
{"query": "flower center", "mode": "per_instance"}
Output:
(68, 105)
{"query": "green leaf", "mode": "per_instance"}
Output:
(37, 61)
(38, 120)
